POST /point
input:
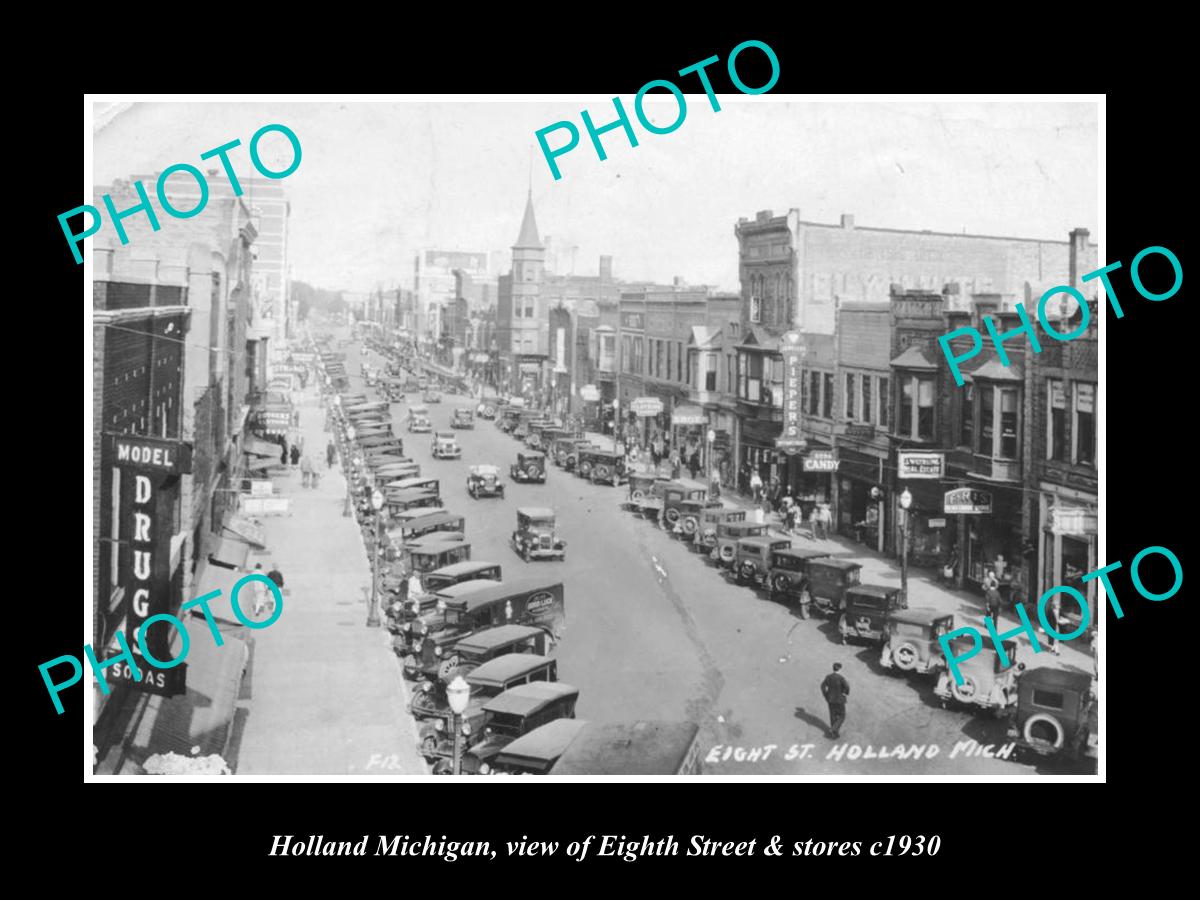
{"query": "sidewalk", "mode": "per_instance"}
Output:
(326, 694)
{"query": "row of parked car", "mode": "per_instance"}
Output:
(1053, 712)
(548, 439)
(452, 616)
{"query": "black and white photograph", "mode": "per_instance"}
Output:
(687, 435)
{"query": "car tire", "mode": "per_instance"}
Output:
(780, 584)
(726, 554)
(638, 496)
(672, 516)
(532, 473)
(690, 526)
(1043, 719)
(965, 692)
(906, 656)
(746, 571)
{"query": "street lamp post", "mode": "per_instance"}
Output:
(905, 503)
(708, 460)
(348, 507)
(458, 694)
(373, 609)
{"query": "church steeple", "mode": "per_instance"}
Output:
(528, 238)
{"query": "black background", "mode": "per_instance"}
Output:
(1027, 830)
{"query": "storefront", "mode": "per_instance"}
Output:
(857, 513)
(1069, 541)
(811, 475)
(689, 432)
(990, 535)
(757, 452)
(932, 535)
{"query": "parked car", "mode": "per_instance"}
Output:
(409, 642)
(644, 489)
(400, 614)
(602, 466)
(637, 748)
(530, 466)
(436, 551)
(431, 396)
(536, 752)
(527, 418)
(752, 560)
(828, 580)
(484, 481)
(445, 446)
(506, 419)
(788, 576)
(711, 518)
(682, 508)
(412, 529)
(507, 717)
(724, 548)
(462, 418)
(414, 482)
(988, 683)
(536, 536)
(911, 640)
(486, 409)
(866, 609)
(569, 453)
(487, 680)
(475, 605)
(440, 662)
(409, 499)
(1056, 716)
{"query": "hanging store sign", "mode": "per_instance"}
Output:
(144, 559)
(791, 440)
(965, 501)
(646, 406)
(589, 393)
(821, 461)
(919, 464)
(1073, 520)
(158, 454)
(689, 415)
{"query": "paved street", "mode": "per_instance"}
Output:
(655, 631)
(326, 696)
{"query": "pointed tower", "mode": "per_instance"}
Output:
(529, 258)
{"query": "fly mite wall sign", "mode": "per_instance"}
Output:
(149, 488)
(791, 441)
(965, 501)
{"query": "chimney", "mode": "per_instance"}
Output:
(764, 215)
(1079, 239)
(606, 268)
(848, 221)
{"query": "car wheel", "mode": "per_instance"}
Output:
(780, 584)
(532, 473)
(429, 747)
(906, 656)
(672, 516)
(965, 692)
(746, 572)
(690, 526)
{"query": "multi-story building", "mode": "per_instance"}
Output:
(179, 351)
(434, 285)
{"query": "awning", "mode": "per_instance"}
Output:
(261, 448)
(242, 528)
(197, 722)
(230, 552)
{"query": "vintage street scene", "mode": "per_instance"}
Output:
(657, 468)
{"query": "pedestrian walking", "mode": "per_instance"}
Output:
(260, 591)
(694, 463)
(835, 690)
(756, 484)
(295, 455)
(795, 514)
(306, 470)
(675, 465)
(826, 521)
(283, 452)
(330, 455)
(991, 595)
(275, 575)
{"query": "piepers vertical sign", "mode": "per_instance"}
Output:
(147, 466)
(792, 350)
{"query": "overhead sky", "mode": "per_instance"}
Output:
(381, 180)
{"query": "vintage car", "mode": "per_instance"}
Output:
(643, 487)
(866, 609)
(474, 605)
(602, 466)
(639, 748)
(484, 481)
(408, 642)
(395, 471)
(507, 418)
(1056, 716)
(567, 450)
(526, 419)
(410, 499)
(724, 549)
(507, 717)
(682, 507)
(752, 559)
(384, 454)
(536, 752)
(413, 482)
(418, 420)
(548, 436)
(486, 409)
(788, 575)
(988, 682)
(911, 640)
(711, 518)
(535, 537)
(529, 467)
(435, 551)
(462, 418)
(828, 580)
(489, 679)
(431, 396)
(439, 661)
(412, 529)
(445, 446)
(400, 613)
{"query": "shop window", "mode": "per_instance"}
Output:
(1056, 421)
(884, 401)
(868, 409)
(710, 374)
(1085, 424)
(849, 396)
(827, 397)
(967, 428)
(1008, 424)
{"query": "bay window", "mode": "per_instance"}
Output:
(916, 407)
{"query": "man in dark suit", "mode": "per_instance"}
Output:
(835, 689)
